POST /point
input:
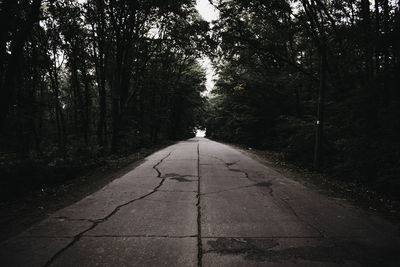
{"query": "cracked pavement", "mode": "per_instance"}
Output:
(202, 203)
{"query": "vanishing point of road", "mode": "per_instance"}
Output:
(202, 203)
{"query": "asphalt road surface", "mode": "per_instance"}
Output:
(202, 203)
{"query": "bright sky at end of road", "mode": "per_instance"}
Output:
(200, 133)
(208, 13)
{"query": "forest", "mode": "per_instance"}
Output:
(83, 80)
(315, 80)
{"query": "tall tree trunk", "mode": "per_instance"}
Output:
(76, 96)
(386, 18)
(377, 37)
(315, 12)
(61, 126)
(371, 85)
(321, 104)
(9, 74)
(101, 72)
(102, 127)
(116, 100)
(87, 104)
(115, 124)
(366, 22)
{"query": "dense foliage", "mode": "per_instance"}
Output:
(317, 80)
(82, 79)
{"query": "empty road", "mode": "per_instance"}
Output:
(202, 203)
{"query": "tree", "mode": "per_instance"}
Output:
(285, 65)
(82, 80)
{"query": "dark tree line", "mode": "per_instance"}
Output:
(317, 80)
(82, 79)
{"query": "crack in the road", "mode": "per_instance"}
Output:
(247, 175)
(229, 164)
(104, 219)
(173, 175)
(199, 243)
(267, 237)
(145, 236)
(319, 231)
(179, 191)
(171, 201)
(267, 184)
(183, 236)
(158, 163)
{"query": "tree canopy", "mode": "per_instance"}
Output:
(316, 80)
(83, 79)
